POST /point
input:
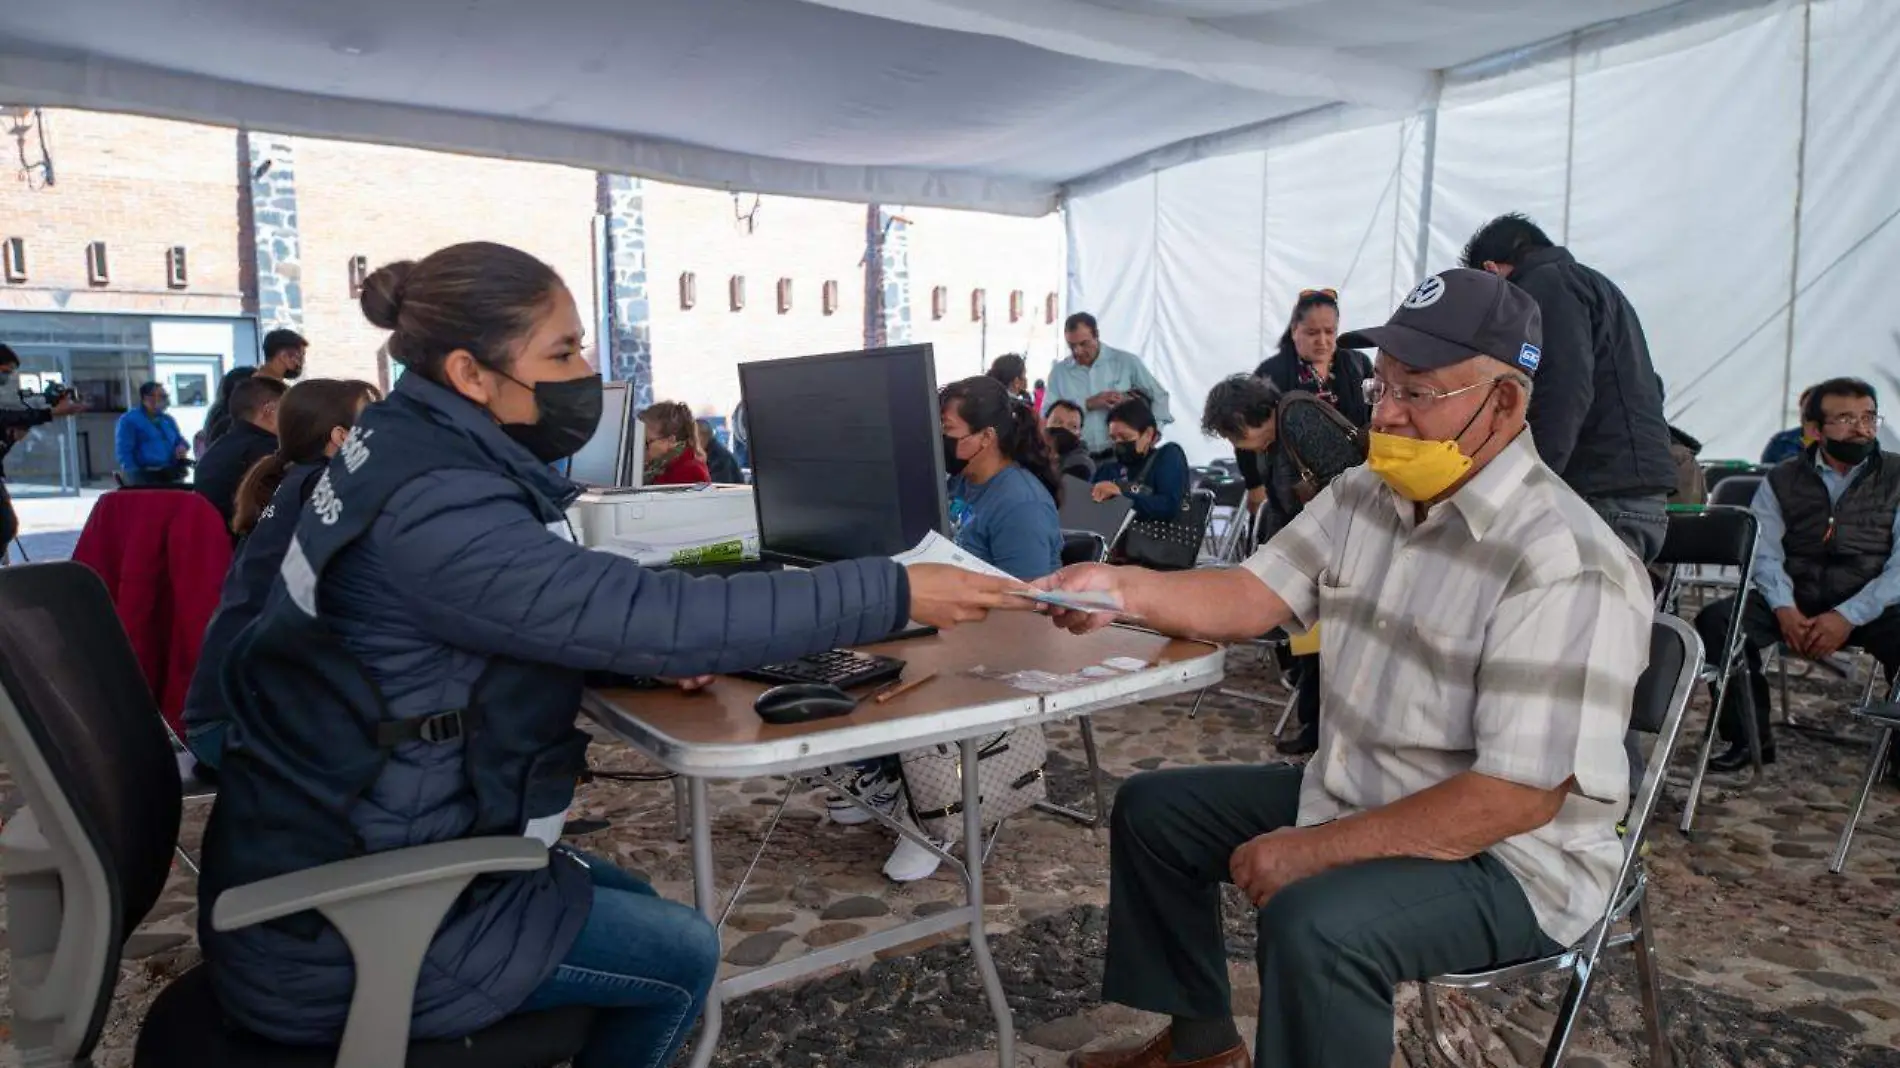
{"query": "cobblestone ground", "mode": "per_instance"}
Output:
(1767, 958)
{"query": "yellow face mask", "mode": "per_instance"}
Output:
(1416, 470)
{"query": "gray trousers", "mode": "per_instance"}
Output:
(1332, 948)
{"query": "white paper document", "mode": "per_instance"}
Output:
(937, 549)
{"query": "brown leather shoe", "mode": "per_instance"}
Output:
(1155, 1055)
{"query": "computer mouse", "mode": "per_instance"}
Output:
(802, 702)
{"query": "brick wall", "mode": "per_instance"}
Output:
(141, 186)
(396, 203)
(965, 251)
(696, 352)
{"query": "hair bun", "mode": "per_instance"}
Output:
(383, 293)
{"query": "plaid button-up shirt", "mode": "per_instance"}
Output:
(1503, 635)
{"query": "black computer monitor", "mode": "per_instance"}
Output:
(847, 453)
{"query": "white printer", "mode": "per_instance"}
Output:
(669, 525)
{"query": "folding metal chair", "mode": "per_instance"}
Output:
(1885, 718)
(1675, 662)
(1716, 537)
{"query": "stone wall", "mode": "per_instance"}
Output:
(622, 200)
(276, 237)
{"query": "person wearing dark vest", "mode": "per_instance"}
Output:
(253, 436)
(312, 423)
(1597, 416)
(1827, 567)
(434, 696)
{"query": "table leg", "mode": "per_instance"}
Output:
(973, 880)
(706, 897)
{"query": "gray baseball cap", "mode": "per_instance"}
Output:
(1455, 315)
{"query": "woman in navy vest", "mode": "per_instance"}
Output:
(416, 674)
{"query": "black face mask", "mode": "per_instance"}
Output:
(1848, 452)
(570, 413)
(1064, 440)
(953, 465)
(1129, 456)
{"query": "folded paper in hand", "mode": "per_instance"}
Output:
(937, 549)
(1075, 601)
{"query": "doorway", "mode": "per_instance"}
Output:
(192, 382)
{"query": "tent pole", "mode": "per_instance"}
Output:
(1426, 181)
(1800, 181)
(1570, 136)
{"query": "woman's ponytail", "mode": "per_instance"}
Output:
(254, 493)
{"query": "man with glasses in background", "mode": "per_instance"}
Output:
(1827, 567)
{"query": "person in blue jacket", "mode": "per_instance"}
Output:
(147, 443)
(433, 697)
(1003, 483)
(1154, 477)
(312, 422)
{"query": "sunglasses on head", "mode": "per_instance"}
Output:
(1329, 294)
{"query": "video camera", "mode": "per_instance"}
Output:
(50, 396)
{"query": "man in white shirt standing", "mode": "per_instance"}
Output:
(1096, 378)
(1484, 632)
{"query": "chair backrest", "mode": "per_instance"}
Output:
(1720, 537)
(1735, 491)
(1083, 547)
(1201, 511)
(88, 857)
(1662, 694)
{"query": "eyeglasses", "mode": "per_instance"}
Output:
(1868, 421)
(1329, 294)
(1417, 397)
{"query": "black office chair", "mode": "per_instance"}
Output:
(1662, 693)
(1716, 537)
(1735, 491)
(1083, 547)
(88, 856)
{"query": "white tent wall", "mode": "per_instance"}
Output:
(1847, 320)
(1669, 162)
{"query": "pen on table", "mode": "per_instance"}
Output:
(897, 689)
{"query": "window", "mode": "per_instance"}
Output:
(359, 274)
(14, 255)
(1015, 305)
(939, 302)
(1049, 309)
(735, 292)
(689, 290)
(979, 302)
(784, 296)
(98, 271)
(177, 274)
(830, 297)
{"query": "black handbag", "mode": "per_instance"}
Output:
(1322, 443)
(1169, 544)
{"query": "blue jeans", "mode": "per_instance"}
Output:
(645, 962)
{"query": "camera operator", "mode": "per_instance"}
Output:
(18, 417)
(150, 448)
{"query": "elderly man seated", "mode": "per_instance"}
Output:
(1827, 567)
(1484, 634)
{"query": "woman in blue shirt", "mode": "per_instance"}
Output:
(1003, 482)
(1154, 477)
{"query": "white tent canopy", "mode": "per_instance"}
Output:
(1734, 175)
(986, 104)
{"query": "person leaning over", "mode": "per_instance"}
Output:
(1484, 634)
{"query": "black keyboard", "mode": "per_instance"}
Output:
(842, 668)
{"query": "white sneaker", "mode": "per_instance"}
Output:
(910, 862)
(875, 787)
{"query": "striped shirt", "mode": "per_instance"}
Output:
(1502, 635)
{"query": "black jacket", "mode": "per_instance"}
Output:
(723, 465)
(1596, 411)
(226, 462)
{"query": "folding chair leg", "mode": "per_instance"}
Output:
(1569, 1013)
(1781, 679)
(1428, 1001)
(185, 859)
(1701, 769)
(1647, 981)
(1286, 713)
(1100, 814)
(1874, 765)
(682, 824)
(1198, 698)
